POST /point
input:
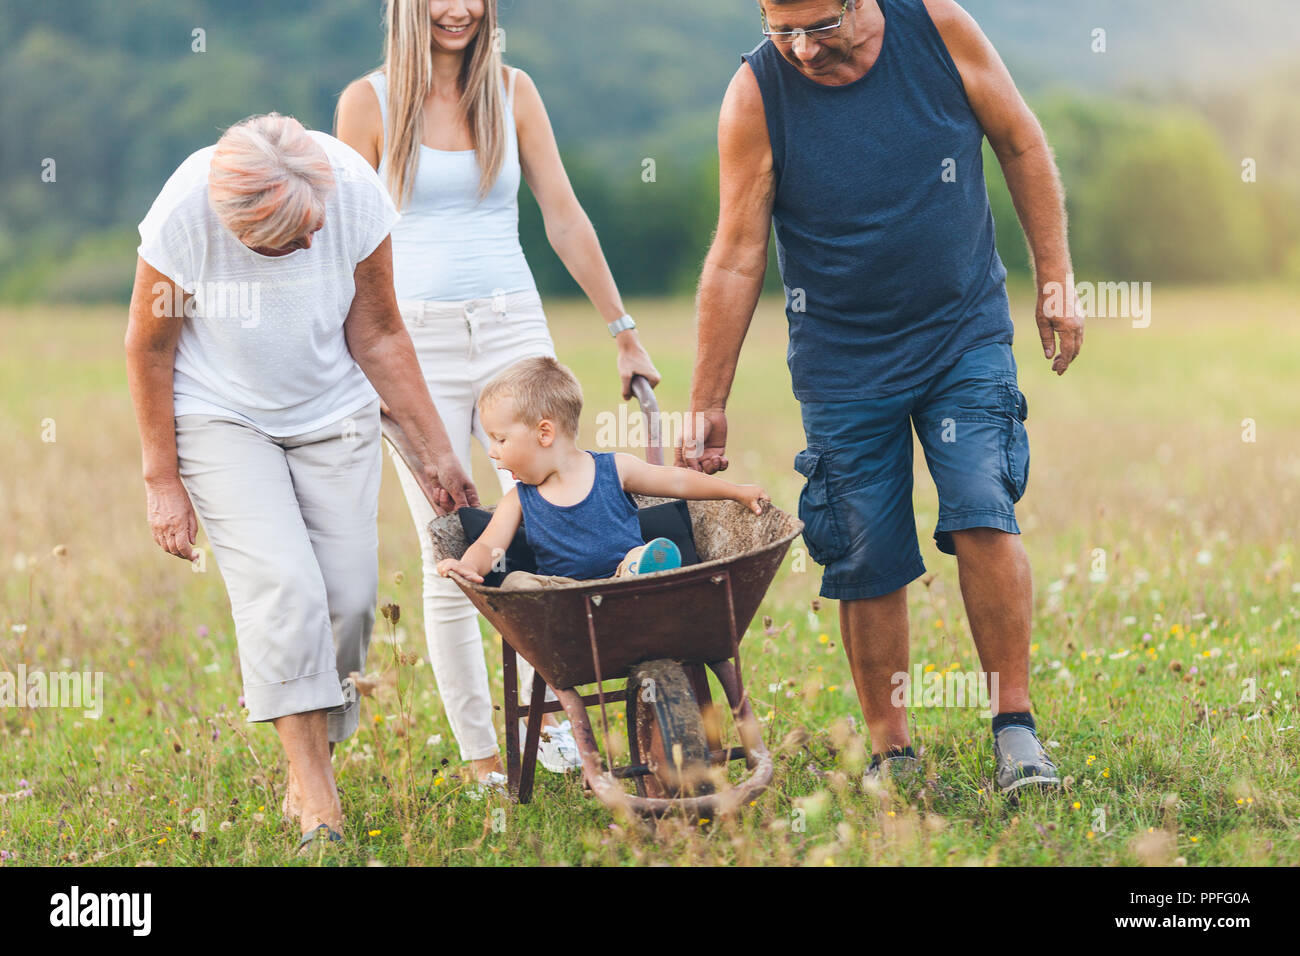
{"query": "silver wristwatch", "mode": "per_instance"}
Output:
(621, 324)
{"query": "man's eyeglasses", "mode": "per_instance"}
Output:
(817, 33)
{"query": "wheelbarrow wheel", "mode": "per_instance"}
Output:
(669, 731)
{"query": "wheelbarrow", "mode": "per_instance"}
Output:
(655, 634)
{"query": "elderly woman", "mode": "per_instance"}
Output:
(263, 333)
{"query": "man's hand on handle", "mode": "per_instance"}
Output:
(704, 442)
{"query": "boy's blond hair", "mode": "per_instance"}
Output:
(539, 388)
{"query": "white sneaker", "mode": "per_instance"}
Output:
(557, 751)
(493, 783)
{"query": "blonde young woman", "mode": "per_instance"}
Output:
(451, 132)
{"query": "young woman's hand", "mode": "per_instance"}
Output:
(633, 359)
(752, 497)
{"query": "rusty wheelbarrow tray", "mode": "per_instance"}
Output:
(592, 632)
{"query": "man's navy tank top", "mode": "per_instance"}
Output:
(883, 228)
(586, 540)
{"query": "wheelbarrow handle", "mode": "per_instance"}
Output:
(396, 437)
(645, 396)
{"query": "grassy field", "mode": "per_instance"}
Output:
(1143, 669)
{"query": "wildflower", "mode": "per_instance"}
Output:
(1076, 805)
(375, 833)
(823, 638)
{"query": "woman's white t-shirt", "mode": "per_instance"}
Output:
(263, 340)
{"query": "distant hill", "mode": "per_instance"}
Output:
(661, 90)
(115, 93)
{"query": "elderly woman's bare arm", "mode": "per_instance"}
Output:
(380, 344)
(153, 327)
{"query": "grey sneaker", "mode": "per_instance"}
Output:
(1021, 760)
(901, 769)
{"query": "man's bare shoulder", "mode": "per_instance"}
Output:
(742, 124)
(958, 29)
(743, 100)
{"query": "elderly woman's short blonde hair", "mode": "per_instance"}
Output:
(268, 181)
(539, 388)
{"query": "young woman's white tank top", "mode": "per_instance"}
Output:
(449, 246)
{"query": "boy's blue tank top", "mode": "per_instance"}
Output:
(883, 228)
(586, 540)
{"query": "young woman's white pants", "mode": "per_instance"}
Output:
(461, 346)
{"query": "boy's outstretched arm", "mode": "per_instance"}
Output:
(667, 481)
(493, 542)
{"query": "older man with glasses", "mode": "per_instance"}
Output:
(263, 333)
(856, 128)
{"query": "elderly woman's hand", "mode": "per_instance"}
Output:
(171, 517)
(452, 488)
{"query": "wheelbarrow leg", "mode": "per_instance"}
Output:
(510, 701)
(699, 678)
(751, 737)
(532, 738)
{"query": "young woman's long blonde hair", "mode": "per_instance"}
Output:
(408, 66)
